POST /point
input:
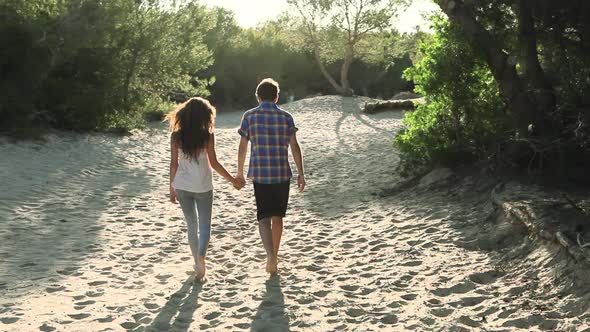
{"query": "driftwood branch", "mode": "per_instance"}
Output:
(391, 105)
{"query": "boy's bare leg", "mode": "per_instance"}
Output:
(267, 239)
(277, 232)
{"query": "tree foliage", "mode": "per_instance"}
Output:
(342, 30)
(275, 49)
(463, 113)
(538, 55)
(92, 64)
(84, 64)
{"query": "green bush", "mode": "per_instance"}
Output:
(22, 63)
(463, 112)
(155, 108)
(84, 65)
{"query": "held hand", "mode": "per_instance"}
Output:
(301, 183)
(173, 195)
(238, 182)
(241, 180)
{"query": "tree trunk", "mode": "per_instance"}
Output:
(512, 89)
(339, 89)
(542, 90)
(130, 74)
(344, 81)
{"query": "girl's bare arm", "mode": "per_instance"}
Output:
(215, 163)
(173, 167)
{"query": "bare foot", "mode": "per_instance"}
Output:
(200, 268)
(271, 265)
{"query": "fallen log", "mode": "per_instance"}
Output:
(392, 105)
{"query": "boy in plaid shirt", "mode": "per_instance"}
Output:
(271, 131)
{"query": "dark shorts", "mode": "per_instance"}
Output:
(271, 199)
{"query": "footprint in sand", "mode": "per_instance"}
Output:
(96, 293)
(321, 293)
(442, 312)
(85, 303)
(9, 320)
(484, 278)
(349, 288)
(129, 325)
(469, 301)
(411, 263)
(242, 326)
(378, 247)
(46, 328)
(389, 319)
(524, 323)
(460, 288)
(55, 288)
(305, 300)
(434, 302)
(142, 318)
(212, 316)
(164, 277)
(106, 319)
(466, 320)
(151, 306)
(79, 316)
(227, 305)
(355, 312)
(312, 267)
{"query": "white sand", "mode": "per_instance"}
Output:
(89, 242)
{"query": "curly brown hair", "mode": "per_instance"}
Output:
(191, 125)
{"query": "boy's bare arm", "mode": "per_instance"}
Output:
(298, 156)
(242, 149)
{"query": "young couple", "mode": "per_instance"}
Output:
(270, 131)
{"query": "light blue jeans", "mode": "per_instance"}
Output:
(197, 212)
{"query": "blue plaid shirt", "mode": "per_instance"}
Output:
(269, 130)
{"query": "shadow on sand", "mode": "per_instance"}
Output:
(340, 173)
(177, 313)
(271, 314)
(54, 196)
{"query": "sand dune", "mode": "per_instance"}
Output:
(89, 242)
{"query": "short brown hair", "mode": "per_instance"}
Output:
(267, 90)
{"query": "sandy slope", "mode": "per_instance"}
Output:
(89, 242)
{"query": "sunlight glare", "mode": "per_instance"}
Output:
(251, 12)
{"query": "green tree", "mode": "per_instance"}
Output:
(252, 54)
(339, 30)
(538, 55)
(463, 114)
(86, 64)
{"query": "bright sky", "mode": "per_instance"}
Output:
(251, 12)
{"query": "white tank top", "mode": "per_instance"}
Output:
(193, 175)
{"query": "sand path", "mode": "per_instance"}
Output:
(89, 242)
